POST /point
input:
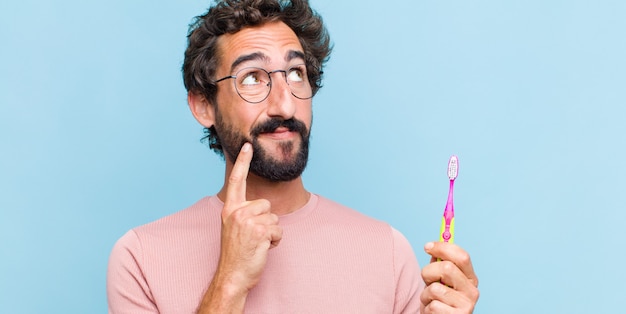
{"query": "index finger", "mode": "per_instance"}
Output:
(236, 186)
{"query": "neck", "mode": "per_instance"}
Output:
(285, 197)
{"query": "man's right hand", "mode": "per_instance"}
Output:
(249, 230)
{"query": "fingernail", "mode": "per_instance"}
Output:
(246, 147)
(429, 246)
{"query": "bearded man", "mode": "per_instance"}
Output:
(263, 243)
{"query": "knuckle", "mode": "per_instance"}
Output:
(279, 232)
(274, 219)
(469, 308)
(447, 267)
(261, 206)
(439, 290)
(239, 216)
(474, 294)
(464, 258)
(424, 273)
(225, 214)
(259, 231)
(263, 203)
(234, 178)
(436, 306)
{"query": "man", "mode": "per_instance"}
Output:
(264, 244)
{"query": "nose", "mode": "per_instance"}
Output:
(281, 103)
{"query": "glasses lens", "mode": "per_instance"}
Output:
(299, 82)
(253, 84)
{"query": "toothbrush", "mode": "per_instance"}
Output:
(447, 223)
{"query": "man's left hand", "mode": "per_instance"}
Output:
(451, 284)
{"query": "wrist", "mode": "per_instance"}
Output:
(224, 295)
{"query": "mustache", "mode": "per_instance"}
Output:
(272, 124)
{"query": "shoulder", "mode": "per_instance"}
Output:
(143, 262)
(346, 220)
(184, 223)
(341, 214)
(334, 209)
(200, 214)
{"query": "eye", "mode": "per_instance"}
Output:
(252, 77)
(296, 74)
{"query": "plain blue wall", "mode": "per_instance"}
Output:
(96, 138)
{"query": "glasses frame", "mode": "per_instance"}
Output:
(269, 84)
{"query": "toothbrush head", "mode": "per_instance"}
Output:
(453, 167)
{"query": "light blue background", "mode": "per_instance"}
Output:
(96, 138)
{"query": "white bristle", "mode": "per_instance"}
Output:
(453, 167)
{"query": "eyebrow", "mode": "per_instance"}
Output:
(248, 57)
(291, 54)
(295, 54)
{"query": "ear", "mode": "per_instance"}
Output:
(201, 109)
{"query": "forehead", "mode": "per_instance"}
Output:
(273, 43)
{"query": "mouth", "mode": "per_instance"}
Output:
(279, 130)
(280, 133)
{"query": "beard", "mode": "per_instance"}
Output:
(263, 165)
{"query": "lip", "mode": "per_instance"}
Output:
(280, 133)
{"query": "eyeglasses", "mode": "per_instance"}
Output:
(254, 84)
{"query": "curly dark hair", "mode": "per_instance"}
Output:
(230, 16)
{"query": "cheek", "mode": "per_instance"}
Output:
(237, 113)
(245, 120)
(306, 116)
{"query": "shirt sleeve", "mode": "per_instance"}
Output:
(127, 288)
(409, 282)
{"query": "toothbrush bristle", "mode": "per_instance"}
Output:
(453, 167)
